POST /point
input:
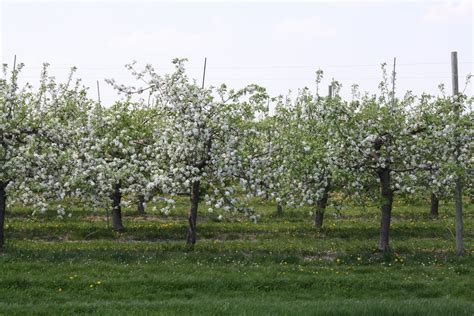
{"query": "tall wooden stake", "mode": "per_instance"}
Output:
(458, 183)
(330, 90)
(392, 103)
(106, 210)
(98, 92)
(13, 91)
(394, 74)
(204, 72)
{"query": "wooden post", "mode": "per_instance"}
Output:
(204, 72)
(3, 207)
(98, 100)
(195, 192)
(394, 74)
(98, 92)
(13, 91)
(458, 183)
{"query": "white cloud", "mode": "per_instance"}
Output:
(307, 28)
(450, 11)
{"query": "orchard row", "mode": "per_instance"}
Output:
(224, 147)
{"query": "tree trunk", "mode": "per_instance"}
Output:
(191, 239)
(318, 218)
(321, 206)
(434, 205)
(386, 208)
(117, 209)
(3, 206)
(279, 210)
(141, 205)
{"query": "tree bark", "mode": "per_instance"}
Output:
(434, 205)
(279, 209)
(3, 206)
(385, 208)
(318, 218)
(117, 209)
(141, 205)
(321, 207)
(191, 239)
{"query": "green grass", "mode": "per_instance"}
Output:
(280, 265)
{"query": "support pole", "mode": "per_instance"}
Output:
(204, 72)
(458, 181)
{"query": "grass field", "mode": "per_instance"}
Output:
(280, 265)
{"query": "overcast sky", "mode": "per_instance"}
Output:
(279, 45)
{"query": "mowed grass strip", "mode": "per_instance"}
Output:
(279, 265)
